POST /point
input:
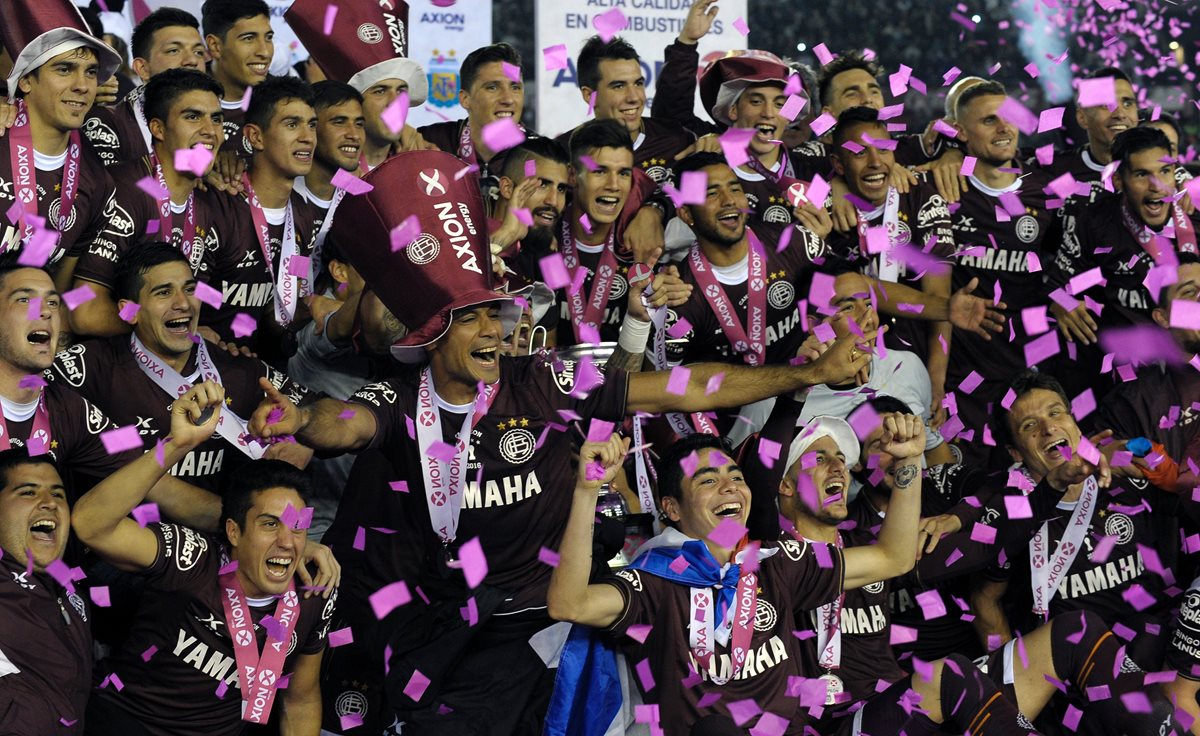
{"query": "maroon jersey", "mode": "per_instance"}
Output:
(128, 226)
(655, 148)
(1163, 405)
(519, 476)
(788, 274)
(789, 582)
(447, 136)
(1079, 163)
(1099, 238)
(106, 373)
(922, 215)
(118, 133)
(179, 653)
(45, 653)
(90, 213)
(768, 197)
(75, 428)
(246, 283)
(235, 117)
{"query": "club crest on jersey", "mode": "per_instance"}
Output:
(619, 287)
(79, 606)
(1120, 527)
(350, 703)
(765, 616)
(781, 294)
(874, 588)
(369, 33)
(55, 211)
(1027, 229)
(517, 445)
(424, 249)
(777, 214)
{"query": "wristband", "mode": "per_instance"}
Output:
(634, 334)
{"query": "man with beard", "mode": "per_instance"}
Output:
(1161, 404)
(477, 468)
(56, 68)
(240, 40)
(909, 221)
(156, 201)
(1134, 238)
(168, 38)
(46, 640)
(534, 186)
(613, 86)
(1003, 252)
(1103, 122)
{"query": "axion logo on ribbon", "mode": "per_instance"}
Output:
(433, 182)
(243, 638)
(712, 290)
(426, 418)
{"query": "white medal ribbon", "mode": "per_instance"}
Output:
(1047, 571)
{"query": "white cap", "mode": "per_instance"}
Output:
(825, 426)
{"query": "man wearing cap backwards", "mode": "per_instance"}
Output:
(168, 38)
(43, 161)
(487, 465)
(222, 621)
(184, 110)
(46, 641)
(613, 85)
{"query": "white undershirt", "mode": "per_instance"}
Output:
(274, 216)
(234, 105)
(995, 192)
(452, 408)
(15, 412)
(735, 274)
(302, 188)
(49, 163)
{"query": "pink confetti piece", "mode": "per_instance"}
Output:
(727, 533)
(740, 26)
(734, 143)
(81, 295)
(793, 107)
(770, 725)
(195, 160)
(473, 562)
(817, 192)
(743, 710)
(639, 632)
(970, 383)
(554, 271)
(243, 325)
(100, 596)
(1050, 119)
(128, 312)
(400, 486)
(416, 685)
(331, 11)
(609, 24)
(512, 71)
(983, 534)
(599, 430)
(348, 721)
(146, 514)
(503, 134)
(681, 328)
(146, 655)
(405, 233)
(548, 556)
(1185, 315)
(555, 57)
(1099, 92)
(1018, 507)
(821, 51)
(353, 185)
(121, 439)
(341, 637)
(678, 382)
(1016, 113)
(389, 597)
(395, 115)
(208, 295)
(33, 380)
(678, 565)
(645, 675)
(1040, 348)
(902, 635)
(864, 420)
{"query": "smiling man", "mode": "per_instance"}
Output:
(168, 38)
(46, 642)
(240, 40)
(476, 468)
(271, 223)
(132, 377)
(184, 112)
(43, 162)
(340, 134)
(221, 615)
(1103, 123)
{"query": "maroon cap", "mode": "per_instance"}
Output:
(35, 31)
(724, 80)
(447, 266)
(368, 43)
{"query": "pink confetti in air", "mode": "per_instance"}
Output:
(645, 675)
(555, 57)
(243, 325)
(400, 486)
(793, 107)
(1016, 113)
(734, 143)
(548, 556)
(348, 721)
(121, 439)
(341, 637)
(146, 514)
(609, 24)
(33, 380)
(1050, 119)
(822, 124)
(81, 295)
(770, 725)
(208, 295)
(100, 596)
(151, 186)
(416, 685)
(146, 655)
(503, 134)
(639, 632)
(727, 533)
(823, 55)
(195, 160)
(743, 710)
(679, 329)
(331, 12)
(1185, 315)
(353, 185)
(1018, 507)
(389, 597)
(678, 382)
(128, 311)
(1099, 92)
(473, 562)
(405, 233)
(395, 115)
(512, 71)
(983, 534)
(740, 26)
